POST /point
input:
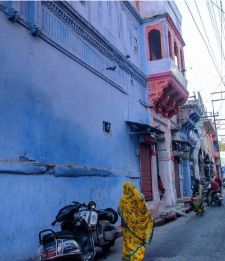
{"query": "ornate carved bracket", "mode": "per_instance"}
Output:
(166, 94)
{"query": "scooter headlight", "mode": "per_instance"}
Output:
(67, 247)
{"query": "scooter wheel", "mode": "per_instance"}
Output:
(114, 215)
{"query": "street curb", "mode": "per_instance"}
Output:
(162, 221)
(172, 216)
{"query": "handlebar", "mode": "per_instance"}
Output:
(81, 204)
(75, 202)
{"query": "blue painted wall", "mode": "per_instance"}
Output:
(186, 178)
(187, 192)
(52, 110)
(30, 203)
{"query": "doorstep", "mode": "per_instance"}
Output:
(172, 213)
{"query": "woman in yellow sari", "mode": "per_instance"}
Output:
(137, 223)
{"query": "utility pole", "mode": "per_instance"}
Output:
(216, 132)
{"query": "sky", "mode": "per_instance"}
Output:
(201, 73)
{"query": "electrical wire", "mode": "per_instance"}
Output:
(205, 31)
(215, 27)
(213, 21)
(221, 9)
(221, 25)
(221, 44)
(214, 63)
(217, 35)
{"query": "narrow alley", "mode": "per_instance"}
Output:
(191, 238)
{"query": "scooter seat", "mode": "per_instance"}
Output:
(57, 235)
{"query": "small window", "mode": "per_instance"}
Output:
(106, 126)
(82, 2)
(155, 49)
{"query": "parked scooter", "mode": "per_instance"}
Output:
(82, 229)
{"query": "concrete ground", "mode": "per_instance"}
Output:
(190, 238)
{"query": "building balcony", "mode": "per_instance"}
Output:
(181, 148)
(167, 87)
(164, 66)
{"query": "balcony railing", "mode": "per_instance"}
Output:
(166, 65)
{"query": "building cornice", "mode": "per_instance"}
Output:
(65, 12)
(93, 37)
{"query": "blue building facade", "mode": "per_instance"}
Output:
(66, 95)
(186, 169)
(87, 103)
(189, 117)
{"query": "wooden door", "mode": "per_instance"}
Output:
(146, 173)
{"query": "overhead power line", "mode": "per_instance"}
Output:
(214, 63)
(218, 30)
(205, 33)
(217, 7)
(215, 28)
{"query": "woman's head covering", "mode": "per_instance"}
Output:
(128, 188)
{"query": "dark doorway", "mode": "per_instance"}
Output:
(177, 176)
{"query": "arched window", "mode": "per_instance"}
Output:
(170, 45)
(155, 49)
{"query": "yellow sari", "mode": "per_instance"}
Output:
(137, 223)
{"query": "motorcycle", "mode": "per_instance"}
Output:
(217, 198)
(83, 228)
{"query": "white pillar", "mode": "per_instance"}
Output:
(166, 168)
(155, 188)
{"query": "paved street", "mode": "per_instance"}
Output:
(187, 239)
